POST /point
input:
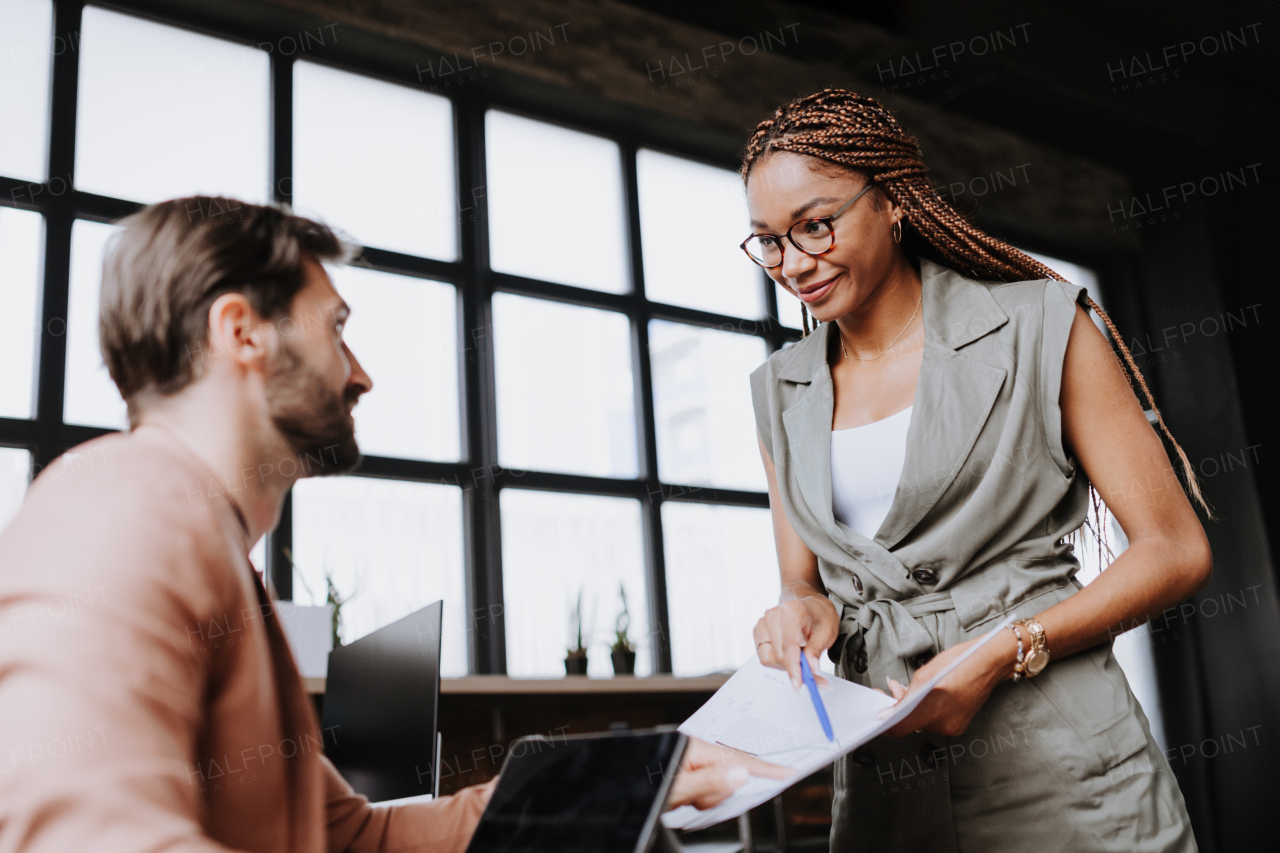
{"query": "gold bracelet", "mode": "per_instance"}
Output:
(1018, 665)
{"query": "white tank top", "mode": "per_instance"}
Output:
(866, 465)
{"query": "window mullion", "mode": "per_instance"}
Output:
(483, 534)
(279, 544)
(281, 128)
(651, 517)
(51, 375)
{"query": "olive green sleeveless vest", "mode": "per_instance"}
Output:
(987, 494)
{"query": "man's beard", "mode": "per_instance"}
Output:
(312, 416)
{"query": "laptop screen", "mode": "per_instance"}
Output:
(600, 793)
(380, 704)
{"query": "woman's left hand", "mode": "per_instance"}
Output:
(953, 703)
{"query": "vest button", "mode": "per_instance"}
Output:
(863, 756)
(924, 576)
(857, 584)
(860, 662)
(927, 756)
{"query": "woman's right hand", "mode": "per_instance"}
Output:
(810, 623)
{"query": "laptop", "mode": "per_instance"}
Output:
(381, 700)
(601, 793)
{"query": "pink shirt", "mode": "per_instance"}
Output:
(148, 698)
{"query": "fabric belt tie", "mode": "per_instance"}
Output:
(894, 623)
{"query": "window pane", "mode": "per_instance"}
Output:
(722, 575)
(258, 555)
(554, 545)
(404, 332)
(164, 112)
(692, 218)
(1082, 276)
(26, 61)
(788, 307)
(702, 406)
(564, 388)
(555, 204)
(390, 548)
(91, 397)
(21, 240)
(15, 473)
(375, 159)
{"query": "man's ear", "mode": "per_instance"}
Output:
(236, 330)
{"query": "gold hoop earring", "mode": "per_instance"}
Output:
(896, 230)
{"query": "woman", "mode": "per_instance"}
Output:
(929, 447)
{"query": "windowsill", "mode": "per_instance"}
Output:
(496, 685)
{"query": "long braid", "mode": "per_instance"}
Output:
(857, 132)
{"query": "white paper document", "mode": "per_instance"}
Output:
(758, 711)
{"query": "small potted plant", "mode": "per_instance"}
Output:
(575, 661)
(624, 651)
(333, 599)
(337, 601)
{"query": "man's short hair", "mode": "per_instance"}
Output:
(173, 259)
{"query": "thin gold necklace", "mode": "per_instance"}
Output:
(891, 343)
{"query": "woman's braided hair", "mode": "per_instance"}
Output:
(857, 132)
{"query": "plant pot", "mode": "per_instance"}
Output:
(575, 665)
(624, 662)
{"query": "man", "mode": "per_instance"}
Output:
(148, 698)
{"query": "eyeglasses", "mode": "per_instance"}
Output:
(816, 237)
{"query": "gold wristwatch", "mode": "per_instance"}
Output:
(1038, 655)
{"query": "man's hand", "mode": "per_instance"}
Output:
(486, 791)
(709, 773)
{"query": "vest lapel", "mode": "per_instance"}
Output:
(954, 395)
(808, 425)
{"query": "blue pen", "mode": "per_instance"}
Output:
(807, 673)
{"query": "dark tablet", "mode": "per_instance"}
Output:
(600, 793)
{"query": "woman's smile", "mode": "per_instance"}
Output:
(813, 292)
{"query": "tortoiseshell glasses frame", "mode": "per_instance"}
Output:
(819, 238)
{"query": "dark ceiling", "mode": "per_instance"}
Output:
(1054, 86)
